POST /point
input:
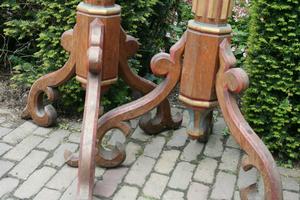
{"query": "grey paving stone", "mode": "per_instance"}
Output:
(7, 185)
(182, 176)
(232, 143)
(70, 193)
(134, 123)
(167, 161)
(205, 171)
(230, 160)
(4, 131)
(197, 191)
(58, 160)
(63, 178)
(290, 195)
(23, 169)
(42, 131)
(289, 183)
(55, 139)
(4, 148)
(99, 172)
(47, 194)
(139, 134)
(237, 195)
(154, 148)
(178, 139)
(219, 126)
(214, 146)
(140, 170)
(111, 179)
(295, 173)
(186, 118)
(224, 186)
(155, 186)
(34, 183)
(74, 137)
(126, 193)
(116, 137)
(132, 151)
(191, 151)
(23, 148)
(247, 178)
(20, 133)
(5, 166)
(173, 195)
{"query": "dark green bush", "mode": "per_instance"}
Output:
(34, 27)
(272, 103)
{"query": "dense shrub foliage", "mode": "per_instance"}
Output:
(272, 103)
(33, 29)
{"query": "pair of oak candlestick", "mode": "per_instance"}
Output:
(201, 62)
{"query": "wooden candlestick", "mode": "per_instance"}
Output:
(203, 62)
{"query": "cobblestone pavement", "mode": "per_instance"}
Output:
(168, 166)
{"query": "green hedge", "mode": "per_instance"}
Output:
(34, 28)
(272, 103)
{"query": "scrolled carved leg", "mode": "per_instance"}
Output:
(163, 65)
(46, 115)
(163, 119)
(234, 80)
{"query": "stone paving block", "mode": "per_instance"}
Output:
(7, 185)
(230, 160)
(17, 135)
(4, 131)
(140, 170)
(154, 148)
(178, 139)
(290, 195)
(127, 193)
(5, 166)
(34, 183)
(132, 151)
(4, 148)
(28, 164)
(134, 123)
(56, 138)
(139, 134)
(42, 131)
(197, 191)
(205, 171)
(99, 172)
(167, 161)
(247, 178)
(173, 195)
(63, 178)
(295, 173)
(224, 186)
(191, 151)
(23, 148)
(58, 160)
(186, 118)
(182, 176)
(111, 179)
(214, 146)
(47, 194)
(232, 143)
(116, 137)
(219, 126)
(237, 195)
(75, 137)
(70, 193)
(289, 183)
(155, 186)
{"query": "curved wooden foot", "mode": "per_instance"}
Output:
(234, 80)
(163, 65)
(46, 115)
(163, 119)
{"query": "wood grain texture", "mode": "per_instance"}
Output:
(235, 80)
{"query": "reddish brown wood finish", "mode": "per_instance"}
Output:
(231, 81)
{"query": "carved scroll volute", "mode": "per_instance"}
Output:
(96, 46)
(235, 80)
